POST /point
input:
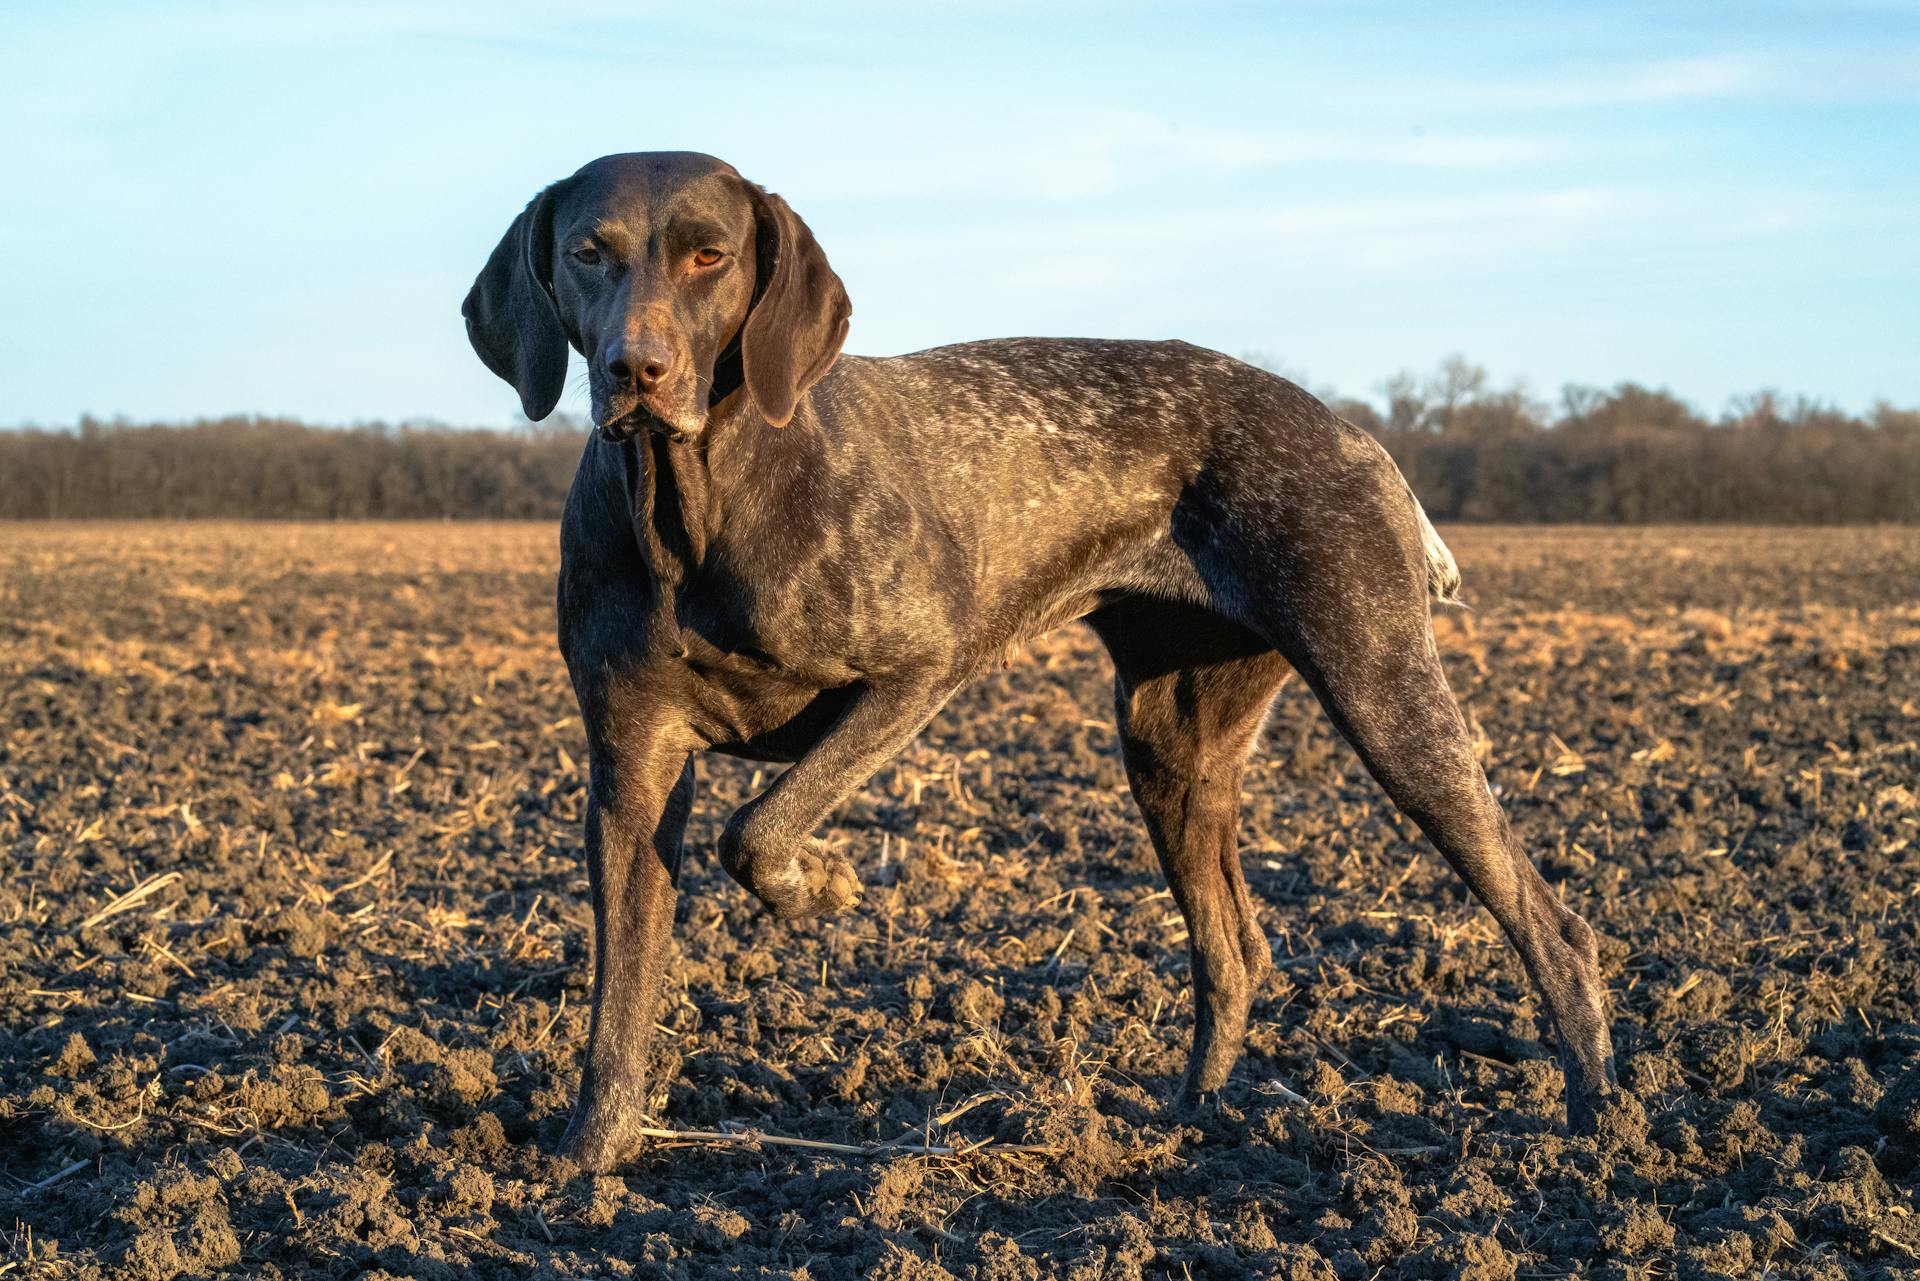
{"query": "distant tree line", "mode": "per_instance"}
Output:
(1634, 455)
(1471, 451)
(276, 468)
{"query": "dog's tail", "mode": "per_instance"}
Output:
(1443, 573)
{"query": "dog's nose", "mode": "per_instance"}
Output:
(645, 366)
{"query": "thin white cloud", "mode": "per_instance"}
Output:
(1083, 155)
(1665, 81)
(1684, 80)
(1133, 149)
(1377, 236)
(1814, 75)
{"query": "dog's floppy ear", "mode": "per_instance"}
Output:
(793, 334)
(511, 318)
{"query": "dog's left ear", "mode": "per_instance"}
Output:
(799, 319)
(512, 321)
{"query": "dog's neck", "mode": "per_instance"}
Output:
(669, 494)
(678, 488)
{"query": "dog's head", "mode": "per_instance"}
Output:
(677, 279)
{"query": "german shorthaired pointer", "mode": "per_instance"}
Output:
(777, 552)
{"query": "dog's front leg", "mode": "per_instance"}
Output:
(769, 845)
(637, 803)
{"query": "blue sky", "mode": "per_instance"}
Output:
(277, 208)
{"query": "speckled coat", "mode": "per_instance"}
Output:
(779, 552)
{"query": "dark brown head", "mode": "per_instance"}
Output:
(678, 280)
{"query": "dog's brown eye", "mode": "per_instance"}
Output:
(707, 257)
(588, 256)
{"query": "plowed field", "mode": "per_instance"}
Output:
(294, 944)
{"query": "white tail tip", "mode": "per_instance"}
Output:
(1443, 573)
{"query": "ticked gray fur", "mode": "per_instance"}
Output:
(779, 552)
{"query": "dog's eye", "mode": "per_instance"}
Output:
(587, 256)
(707, 257)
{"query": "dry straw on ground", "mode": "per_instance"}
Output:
(293, 944)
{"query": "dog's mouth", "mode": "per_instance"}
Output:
(625, 427)
(638, 421)
(676, 409)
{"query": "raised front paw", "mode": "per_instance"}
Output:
(794, 878)
(818, 882)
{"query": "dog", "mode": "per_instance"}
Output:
(781, 553)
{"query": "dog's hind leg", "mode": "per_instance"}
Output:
(1340, 586)
(1191, 691)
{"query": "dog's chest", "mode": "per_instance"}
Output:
(759, 645)
(747, 692)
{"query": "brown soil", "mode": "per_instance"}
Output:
(293, 944)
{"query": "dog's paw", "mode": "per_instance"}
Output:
(821, 883)
(598, 1140)
(1617, 1121)
(1591, 1090)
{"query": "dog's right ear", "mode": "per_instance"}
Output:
(793, 334)
(512, 320)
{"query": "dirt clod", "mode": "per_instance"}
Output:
(74, 1059)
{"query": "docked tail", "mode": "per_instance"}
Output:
(1443, 575)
